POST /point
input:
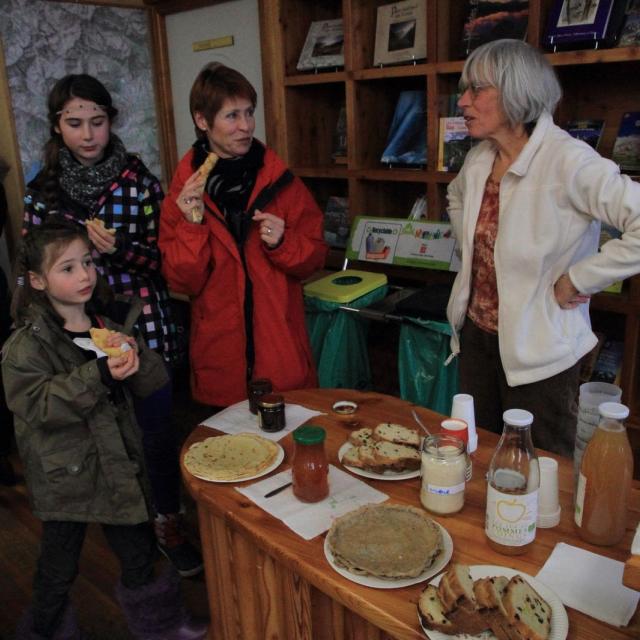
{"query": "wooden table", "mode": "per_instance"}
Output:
(264, 581)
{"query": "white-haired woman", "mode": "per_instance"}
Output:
(526, 209)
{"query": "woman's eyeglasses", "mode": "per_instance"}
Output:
(474, 88)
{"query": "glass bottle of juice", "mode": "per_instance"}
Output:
(512, 489)
(604, 482)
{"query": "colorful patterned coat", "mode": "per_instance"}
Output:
(130, 205)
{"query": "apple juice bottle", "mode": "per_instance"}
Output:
(512, 489)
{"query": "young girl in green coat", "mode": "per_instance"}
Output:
(78, 439)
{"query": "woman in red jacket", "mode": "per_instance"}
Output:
(238, 241)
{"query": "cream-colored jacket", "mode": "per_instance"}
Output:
(552, 200)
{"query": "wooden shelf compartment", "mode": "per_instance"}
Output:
(312, 114)
(322, 76)
(383, 198)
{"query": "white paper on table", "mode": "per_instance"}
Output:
(238, 419)
(309, 520)
(589, 583)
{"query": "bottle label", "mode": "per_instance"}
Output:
(445, 491)
(580, 493)
(511, 518)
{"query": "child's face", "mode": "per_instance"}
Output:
(68, 280)
(85, 129)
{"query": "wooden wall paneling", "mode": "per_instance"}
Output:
(364, 15)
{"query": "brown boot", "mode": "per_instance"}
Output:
(174, 545)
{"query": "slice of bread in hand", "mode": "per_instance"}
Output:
(397, 434)
(527, 611)
(361, 437)
(396, 457)
(432, 613)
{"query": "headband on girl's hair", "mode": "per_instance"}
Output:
(96, 107)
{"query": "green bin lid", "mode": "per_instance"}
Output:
(345, 286)
(309, 434)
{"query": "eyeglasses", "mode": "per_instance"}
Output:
(474, 88)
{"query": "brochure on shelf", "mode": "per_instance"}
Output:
(398, 241)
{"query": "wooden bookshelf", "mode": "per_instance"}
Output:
(302, 108)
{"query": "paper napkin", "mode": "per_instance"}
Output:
(238, 419)
(590, 583)
(309, 520)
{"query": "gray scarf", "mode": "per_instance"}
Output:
(86, 184)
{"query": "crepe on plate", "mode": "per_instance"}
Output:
(230, 457)
(385, 540)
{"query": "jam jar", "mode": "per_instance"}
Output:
(310, 467)
(271, 412)
(255, 390)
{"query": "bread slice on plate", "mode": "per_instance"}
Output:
(489, 593)
(397, 434)
(361, 437)
(396, 457)
(432, 614)
(459, 600)
(527, 611)
(351, 457)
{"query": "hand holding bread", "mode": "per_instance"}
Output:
(103, 238)
(189, 199)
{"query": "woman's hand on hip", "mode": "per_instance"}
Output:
(189, 200)
(567, 296)
(270, 228)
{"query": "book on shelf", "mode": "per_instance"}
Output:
(336, 221)
(489, 20)
(590, 131)
(401, 32)
(587, 23)
(609, 362)
(630, 34)
(324, 46)
(419, 209)
(454, 142)
(607, 232)
(339, 153)
(626, 149)
(407, 139)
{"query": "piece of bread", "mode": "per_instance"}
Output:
(527, 611)
(459, 600)
(489, 593)
(397, 434)
(432, 614)
(368, 460)
(361, 437)
(97, 222)
(351, 458)
(396, 457)
(207, 166)
(99, 337)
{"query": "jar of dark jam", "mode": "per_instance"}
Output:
(310, 467)
(271, 412)
(255, 390)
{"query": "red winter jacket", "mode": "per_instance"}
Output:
(203, 262)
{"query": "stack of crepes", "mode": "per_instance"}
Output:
(230, 457)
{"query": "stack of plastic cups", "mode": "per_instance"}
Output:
(462, 407)
(592, 394)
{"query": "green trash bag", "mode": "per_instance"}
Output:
(422, 351)
(339, 341)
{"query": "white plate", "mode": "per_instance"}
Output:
(387, 475)
(392, 583)
(271, 467)
(559, 620)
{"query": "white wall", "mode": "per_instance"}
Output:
(237, 18)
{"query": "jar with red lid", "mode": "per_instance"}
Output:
(310, 467)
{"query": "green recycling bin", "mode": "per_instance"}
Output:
(339, 337)
(423, 376)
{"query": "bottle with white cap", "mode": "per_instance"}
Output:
(604, 482)
(512, 489)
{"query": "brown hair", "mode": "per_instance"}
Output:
(41, 246)
(214, 84)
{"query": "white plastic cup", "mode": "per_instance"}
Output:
(462, 407)
(548, 499)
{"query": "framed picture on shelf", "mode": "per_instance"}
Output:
(324, 46)
(401, 33)
(587, 22)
